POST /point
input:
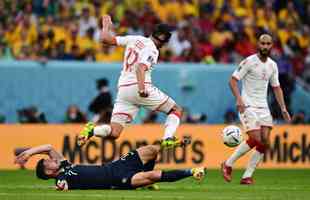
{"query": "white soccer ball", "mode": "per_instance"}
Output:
(232, 136)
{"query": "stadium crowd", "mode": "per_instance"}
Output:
(208, 31)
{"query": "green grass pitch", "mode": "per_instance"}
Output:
(270, 184)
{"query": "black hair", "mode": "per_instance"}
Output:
(40, 172)
(102, 83)
(162, 30)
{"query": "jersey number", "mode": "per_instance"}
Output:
(131, 59)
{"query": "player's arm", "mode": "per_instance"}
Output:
(140, 72)
(238, 74)
(106, 35)
(23, 157)
(280, 99)
(277, 90)
(147, 58)
(233, 83)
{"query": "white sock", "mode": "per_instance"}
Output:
(172, 123)
(240, 151)
(255, 159)
(102, 130)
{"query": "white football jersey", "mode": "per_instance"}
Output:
(255, 76)
(139, 50)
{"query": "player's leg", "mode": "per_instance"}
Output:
(148, 155)
(265, 120)
(123, 112)
(171, 125)
(249, 121)
(146, 178)
(257, 156)
(159, 101)
(112, 130)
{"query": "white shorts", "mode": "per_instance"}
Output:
(128, 102)
(254, 118)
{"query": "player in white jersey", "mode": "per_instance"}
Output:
(255, 72)
(135, 88)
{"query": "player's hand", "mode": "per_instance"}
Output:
(22, 158)
(240, 106)
(286, 115)
(143, 93)
(106, 22)
(62, 185)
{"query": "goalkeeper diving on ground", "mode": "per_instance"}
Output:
(131, 171)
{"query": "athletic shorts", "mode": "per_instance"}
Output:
(125, 168)
(128, 102)
(254, 118)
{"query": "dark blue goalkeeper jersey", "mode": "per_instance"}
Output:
(116, 174)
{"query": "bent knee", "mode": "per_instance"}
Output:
(255, 135)
(116, 130)
(177, 110)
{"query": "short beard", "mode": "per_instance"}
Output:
(264, 53)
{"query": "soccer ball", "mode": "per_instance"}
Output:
(232, 136)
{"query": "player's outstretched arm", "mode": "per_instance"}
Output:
(23, 157)
(106, 35)
(280, 99)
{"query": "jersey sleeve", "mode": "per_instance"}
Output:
(124, 40)
(148, 57)
(274, 79)
(242, 70)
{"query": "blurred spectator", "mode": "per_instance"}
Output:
(75, 53)
(150, 118)
(299, 118)
(243, 46)
(75, 115)
(89, 55)
(104, 116)
(2, 119)
(178, 42)
(101, 105)
(109, 54)
(45, 7)
(86, 21)
(87, 42)
(31, 115)
(230, 117)
(198, 118)
(61, 54)
(25, 53)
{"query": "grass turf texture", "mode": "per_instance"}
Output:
(270, 184)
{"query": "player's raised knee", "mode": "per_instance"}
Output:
(177, 110)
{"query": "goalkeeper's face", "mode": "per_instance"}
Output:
(51, 166)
